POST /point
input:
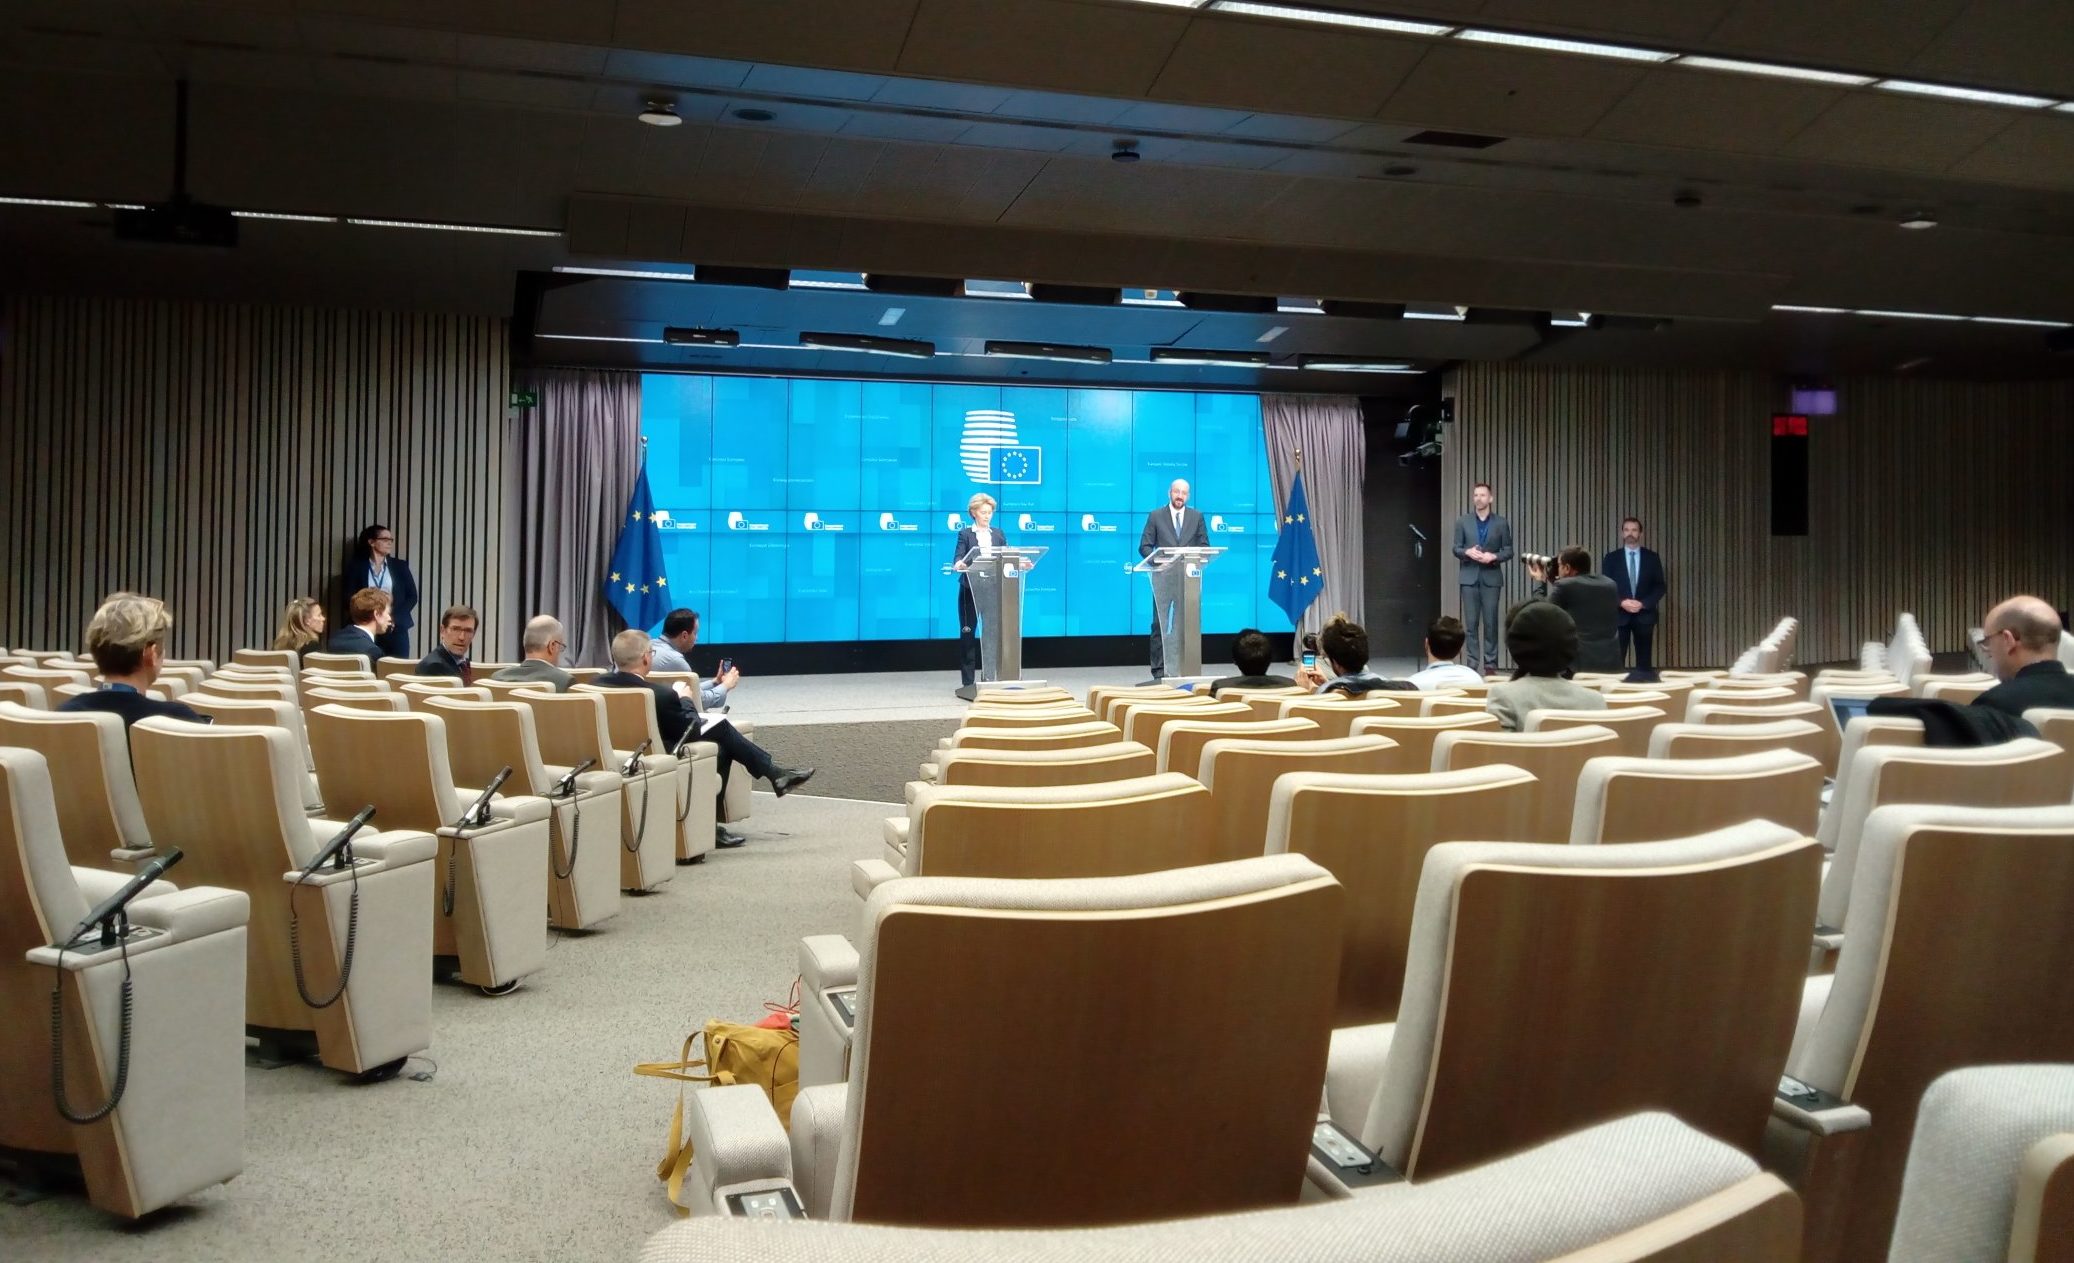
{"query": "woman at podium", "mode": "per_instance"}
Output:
(984, 536)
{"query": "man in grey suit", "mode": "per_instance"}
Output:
(1593, 604)
(1483, 542)
(1172, 525)
(543, 642)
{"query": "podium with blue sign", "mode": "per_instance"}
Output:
(1180, 570)
(997, 575)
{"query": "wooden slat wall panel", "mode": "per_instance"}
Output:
(1938, 498)
(221, 457)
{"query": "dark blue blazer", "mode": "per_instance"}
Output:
(351, 639)
(132, 706)
(1649, 591)
(403, 593)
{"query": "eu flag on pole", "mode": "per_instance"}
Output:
(1297, 577)
(637, 585)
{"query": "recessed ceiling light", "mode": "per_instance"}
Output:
(595, 337)
(754, 115)
(45, 201)
(1775, 71)
(130, 206)
(660, 114)
(905, 348)
(2017, 320)
(1299, 307)
(997, 289)
(1918, 222)
(632, 274)
(1050, 351)
(1209, 359)
(1906, 315)
(1330, 17)
(486, 228)
(702, 337)
(1949, 92)
(1431, 311)
(280, 215)
(1811, 311)
(1342, 364)
(1549, 44)
(1272, 334)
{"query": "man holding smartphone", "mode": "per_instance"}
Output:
(680, 636)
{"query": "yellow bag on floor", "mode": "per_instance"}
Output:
(765, 1056)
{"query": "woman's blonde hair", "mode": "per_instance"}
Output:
(978, 496)
(124, 627)
(295, 632)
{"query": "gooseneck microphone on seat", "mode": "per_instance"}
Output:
(566, 787)
(335, 850)
(110, 910)
(478, 813)
(632, 767)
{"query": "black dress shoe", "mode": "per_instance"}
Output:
(725, 839)
(786, 779)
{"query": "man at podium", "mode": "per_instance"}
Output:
(1172, 525)
(985, 536)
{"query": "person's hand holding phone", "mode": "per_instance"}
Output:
(729, 674)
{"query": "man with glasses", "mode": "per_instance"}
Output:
(2021, 638)
(451, 656)
(543, 644)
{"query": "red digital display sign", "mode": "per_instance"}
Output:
(1789, 425)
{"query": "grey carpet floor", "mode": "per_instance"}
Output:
(534, 1140)
(871, 760)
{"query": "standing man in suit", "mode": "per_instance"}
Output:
(1592, 602)
(975, 591)
(375, 565)
(367, 616)
(1638, 574)
(1483, 542)
(1172, 525)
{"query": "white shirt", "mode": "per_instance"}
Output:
(1441, 675)
(378, 575)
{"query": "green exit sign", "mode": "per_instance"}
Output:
(527, 398)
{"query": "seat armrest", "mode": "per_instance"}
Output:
(1819, 1113)
(194, 912)
(372, 852)
(868, 875)
(133, 855)
(928, 771)
(1340, 1166)
(827, 960)
(96, 884)
(498, 824)
(521, 808)
(1828, 938)
(738, 1146)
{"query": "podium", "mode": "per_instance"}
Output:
(996, 575)
(1177, 574)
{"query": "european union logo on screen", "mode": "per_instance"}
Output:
(1017, 464)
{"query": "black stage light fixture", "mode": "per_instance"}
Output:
(913, 286)
(1243, 304)
(1081, 295)
(752, 278)
(1051, 351)
(1360, 310)
(701, 337)
(906, 348)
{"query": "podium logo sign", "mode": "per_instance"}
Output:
(737, 521)
(1090, 526)
(1218, 524)
(991, 451)
(812, 522)
(891, 522)
(1028, 524)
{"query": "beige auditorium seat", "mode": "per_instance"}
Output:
(493, 876)
(1525, 1014)
(312, 681)
(89, 768)
(2056, 726)
(248, 832)
(1415, 734)
(1088, 732)
(1023, 716)
(1117, 710)
(976, 973)
(383, 702)
(1373, 833)
(155, 1029)
(1956, 689)
(1556, 759)
(427, 682)
(1335, 716)
(1181, 742)
(1011, 695)
(23, 693)
(1240, 774)
(1825, 696)
(48, 678)
(502, 689)
(56, 657)
(1641, 1189)
(190, 672)
(268, 658)
(2026, 772)
(1638, 800)
(1082, 765)
(1099, 697)
(243, 672)
(259, 712)
(571, 729)
(1990, 1170)
(387, 667)
(355, 662)
(485, 737)
(1461, 703)
(1697, 677)
(1099, 829)
(1142, 724)
(251, 689)
(1959, 955)
(1731, 711)
(1721, 741)
(694, 770)
(415, 695)
(1632, 724)
(1725, 697)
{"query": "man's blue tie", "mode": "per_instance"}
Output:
(1634, 572)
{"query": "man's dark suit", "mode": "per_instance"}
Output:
(1166, 584)
(969, 659)
(2043, 683)
(1648, 588)
(440, 662)
(403, 603)
(131, 706)
(1481, 582)
(674, 716)
(350, 639)
(1594, 605)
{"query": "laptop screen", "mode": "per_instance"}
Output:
(1848, 709)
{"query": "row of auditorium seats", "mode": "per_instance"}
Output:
(336, 960)
(1675, 972)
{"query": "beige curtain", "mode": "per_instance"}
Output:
(1327, 430)
(575, 460)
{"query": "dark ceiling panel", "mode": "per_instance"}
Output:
(1108, 49)
(1292, 70)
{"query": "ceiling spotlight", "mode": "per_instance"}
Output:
(1050, 351)
(661, 114)
(905, 348)
(1918, 222)
(1209, 359)
(1125, 151)
(701, 337)
(754, 115)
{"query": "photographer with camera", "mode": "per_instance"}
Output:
(1591, 600)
